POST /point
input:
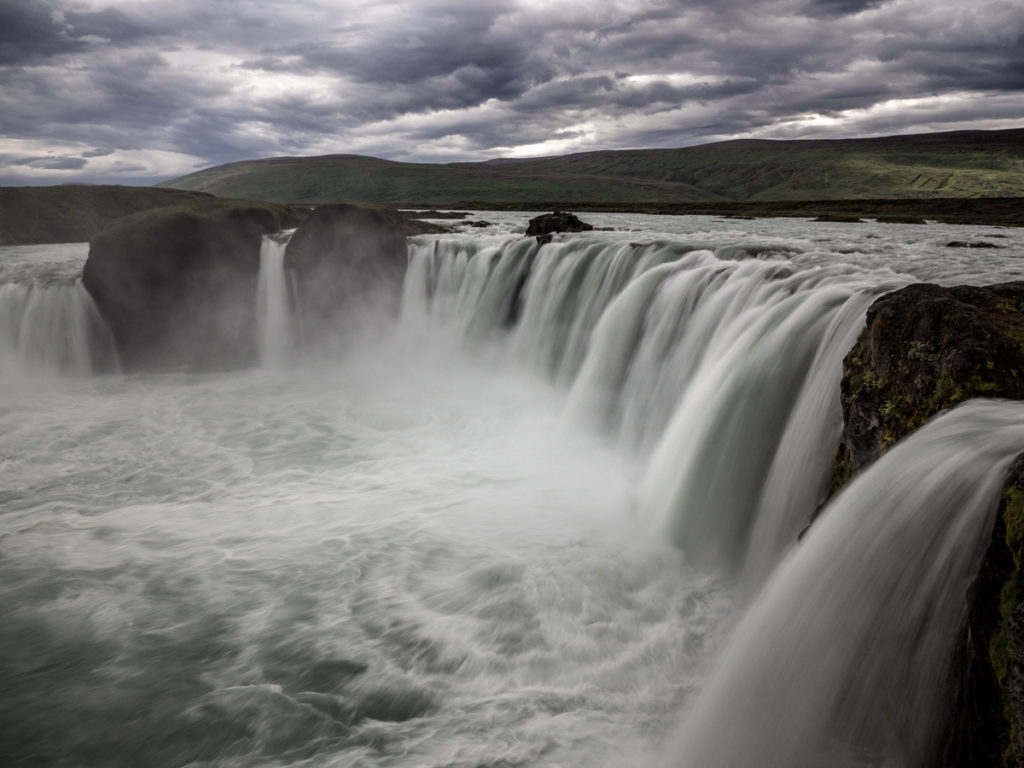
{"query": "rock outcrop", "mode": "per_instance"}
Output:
(347, 258)
(177, 286)
(560, 221)
(924, 349)
(987, 722)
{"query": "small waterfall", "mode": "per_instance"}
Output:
(843, 659)
(52, 329)
(275, 332)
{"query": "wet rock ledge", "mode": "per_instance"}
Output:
(545, 225)
(177, 285)
(924, 349)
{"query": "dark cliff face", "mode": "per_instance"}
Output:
(924, 349)
(177, 287)
(987, 722)
(347, 259)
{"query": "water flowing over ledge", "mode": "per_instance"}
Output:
(723, 373)
(844, 658)
(275, 327)
(453, 542)
(52, 329)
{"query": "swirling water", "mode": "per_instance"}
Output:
(514, 528)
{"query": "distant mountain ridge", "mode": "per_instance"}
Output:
(951, 164)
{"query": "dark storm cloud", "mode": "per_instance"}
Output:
(164, 87)
(28, 32)
(840, 7)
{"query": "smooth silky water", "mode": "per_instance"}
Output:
(526, 523)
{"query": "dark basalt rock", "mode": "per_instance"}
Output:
(559, 221)
(987, 724)
(924, 349)
(177, 286)
(347, 257)
(839, 218)
(975, 244)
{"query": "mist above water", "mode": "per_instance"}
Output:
(513, 526)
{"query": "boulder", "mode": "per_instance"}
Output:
(926, 348)
(347, 258)
(559, 221)
(177, 285)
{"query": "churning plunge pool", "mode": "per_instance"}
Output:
(514, 526)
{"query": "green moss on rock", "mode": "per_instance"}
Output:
(924, 349)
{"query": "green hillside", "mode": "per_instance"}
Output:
(70, 213)
(957, 164)
(960, 164)
(369, 179)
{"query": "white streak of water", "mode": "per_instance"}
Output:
(274, 324)
(843, 660)
(49, 329)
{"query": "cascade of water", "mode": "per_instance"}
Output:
(725, 373)
(52, 328)
(843, 658)
(276, 337)
(705, 480)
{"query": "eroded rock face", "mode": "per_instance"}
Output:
(177, 287)
(346, 259)
(926, 348)
(559, 221)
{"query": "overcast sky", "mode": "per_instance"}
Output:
(136, 91)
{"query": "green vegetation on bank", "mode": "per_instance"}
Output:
(961, 164)
(74, 213)
(369, 179)
(264, 216)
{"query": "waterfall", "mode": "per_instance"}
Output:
(551, 516)
(275, 334)
(843, 660)
(721, 374)
(52, 328)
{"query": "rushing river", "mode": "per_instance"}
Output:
(515, 526)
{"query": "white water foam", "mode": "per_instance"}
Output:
(447, 547)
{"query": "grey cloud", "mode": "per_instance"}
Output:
(27, 32)
(831, 8)
(60, 163)
(109, 24)
(496, 74)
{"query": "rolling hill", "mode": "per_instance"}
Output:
(956, 164)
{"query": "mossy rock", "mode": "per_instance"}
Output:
(177, 285)
(924, 349)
